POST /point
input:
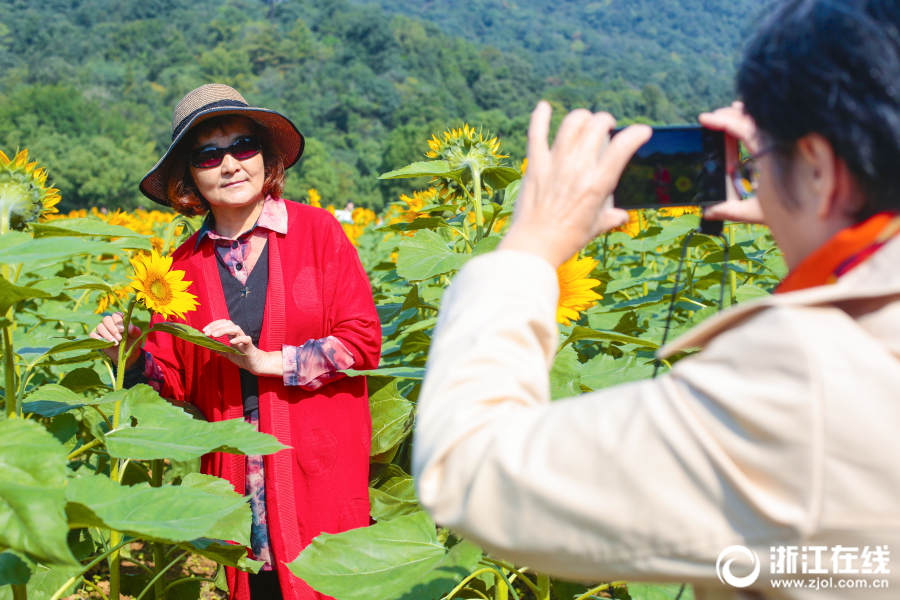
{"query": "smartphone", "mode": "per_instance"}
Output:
(679, 166)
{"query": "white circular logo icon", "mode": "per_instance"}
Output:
(724, 571)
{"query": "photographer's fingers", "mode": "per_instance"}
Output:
(607, 173)
(563, 203)
(596, 133)
(539, 133)
(742, 211)
(570, 130)
(609, 218)
(620, 150)
(734, 121)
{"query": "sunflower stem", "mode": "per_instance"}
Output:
(170, 234)
(590, 593)
(543, 584)
(114, 536)
(9, 363)
(479, 215)
(9, 372)
(605, 248)
(644, 288)
(733, 273)
(501, 585)
(87, 568)
(19, 592)
(80, 300)
(159, 551)
(138, 343)
(120, 366)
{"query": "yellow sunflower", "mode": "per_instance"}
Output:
(162, 291)
(464, 148)
(409, 210)
(633, 226)
(363, 216)
(353, 232)
(106, 300)
(576, 292)
(683, 184)
(315, 199)
(677, 211)
(456, 141)
(24, 194)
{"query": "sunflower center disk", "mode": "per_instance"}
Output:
(161, 291)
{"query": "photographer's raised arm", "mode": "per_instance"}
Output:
(646, 480)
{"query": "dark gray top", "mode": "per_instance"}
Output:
(246, 308)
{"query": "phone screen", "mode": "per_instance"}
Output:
(679, 166)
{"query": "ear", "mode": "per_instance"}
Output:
(831, 185)
(816, 173)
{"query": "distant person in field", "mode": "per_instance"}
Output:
(280, 282)
(345, 215)
(779, 439)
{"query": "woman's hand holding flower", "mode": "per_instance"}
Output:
(112, 329)
(251, 358)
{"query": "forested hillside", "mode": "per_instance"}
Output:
(582, 48)
(89, 85)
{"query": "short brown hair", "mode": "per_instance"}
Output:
(183, 194)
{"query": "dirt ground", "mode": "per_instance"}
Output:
(135, 578)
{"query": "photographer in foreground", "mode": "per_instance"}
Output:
(781, 432)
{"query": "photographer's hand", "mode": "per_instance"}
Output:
(737, 124)
(566, 200)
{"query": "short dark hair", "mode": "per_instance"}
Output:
(831, 67)
(183, 194)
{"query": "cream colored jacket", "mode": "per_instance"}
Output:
(783, 431)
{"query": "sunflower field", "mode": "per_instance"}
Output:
(100, 494)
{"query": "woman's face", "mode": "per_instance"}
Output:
(234, 183)
(810, 198)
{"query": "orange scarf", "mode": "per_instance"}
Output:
(848, 248)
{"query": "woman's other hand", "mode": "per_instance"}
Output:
(111, 329)
(566, 199)
(739, 125)
(251, 358)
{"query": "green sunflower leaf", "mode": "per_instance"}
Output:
(189, 334)
(369, 564)
(32, 493)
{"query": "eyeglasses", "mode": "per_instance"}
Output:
(746, 176)
(212, 156)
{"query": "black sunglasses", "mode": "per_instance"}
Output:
(212, 156)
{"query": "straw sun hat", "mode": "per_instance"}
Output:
(213, 100)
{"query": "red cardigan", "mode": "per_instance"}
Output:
(317, 287)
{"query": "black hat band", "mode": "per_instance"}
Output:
(219, 104)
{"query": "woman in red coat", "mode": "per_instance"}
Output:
(280, 282)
